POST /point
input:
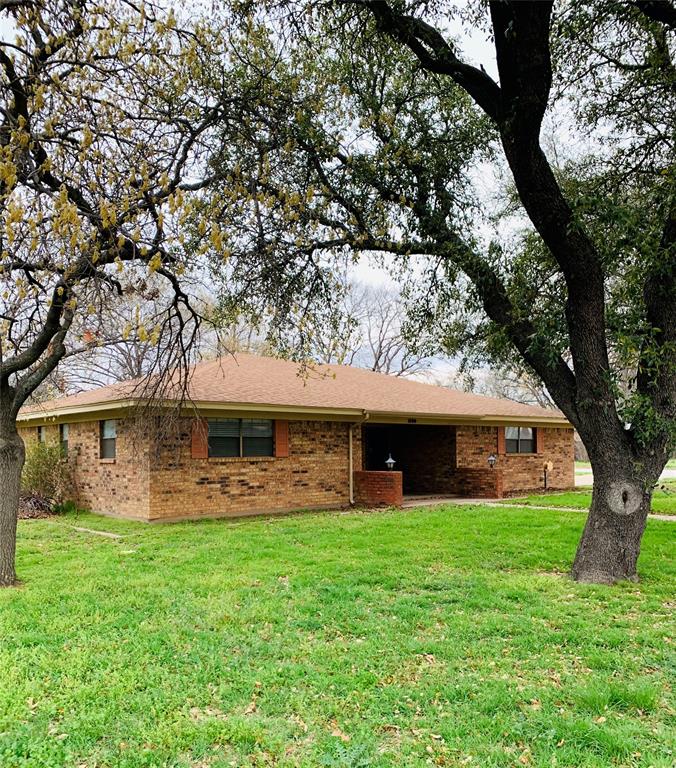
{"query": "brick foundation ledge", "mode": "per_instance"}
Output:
(373, 489)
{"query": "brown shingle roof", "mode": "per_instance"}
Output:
(263, 381)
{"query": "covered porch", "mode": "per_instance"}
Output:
(406, 462)
(425, 455)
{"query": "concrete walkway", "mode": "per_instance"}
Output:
(430, 501)
(107, 534)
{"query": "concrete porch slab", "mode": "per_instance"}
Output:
(428, 501)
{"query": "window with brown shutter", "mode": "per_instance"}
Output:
(200, 443)
(501, 440)
(281, 438)
(239, 438)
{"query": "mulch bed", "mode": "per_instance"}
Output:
(32, 514)
(34, 508)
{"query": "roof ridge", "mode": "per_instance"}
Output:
(367, 371)
(242, 378)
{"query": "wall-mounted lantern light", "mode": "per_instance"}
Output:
(390, 462)
(492, 460)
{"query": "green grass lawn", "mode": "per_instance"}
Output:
(447, 636)
(664, 499)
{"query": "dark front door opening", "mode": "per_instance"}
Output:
(424, 454)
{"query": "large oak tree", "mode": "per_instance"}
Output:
(375, 133)
(625, 51)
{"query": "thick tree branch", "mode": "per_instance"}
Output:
(658, 10)
(43, 339)
(435, 53)
(657, 365)
(552, 369)
(521, 31)
(28, 383)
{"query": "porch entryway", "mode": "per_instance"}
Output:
(424, 454)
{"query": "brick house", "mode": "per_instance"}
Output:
(257, 437)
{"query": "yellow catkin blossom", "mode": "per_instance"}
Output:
(216, 237)
(87, 138)
(155, 263)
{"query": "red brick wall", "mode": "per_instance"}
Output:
(474, 445)
(376, 488)
(118, 487)
(315, 474)
(479, 483)
(454, 460)
(168, 483)
(524, 472)
(514, 473)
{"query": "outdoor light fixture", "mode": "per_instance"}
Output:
(390, 462)
(492, 460)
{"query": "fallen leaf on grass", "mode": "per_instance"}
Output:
(391, 728)
(299, 722)
(337, 732)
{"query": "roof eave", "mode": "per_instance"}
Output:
(81, 412)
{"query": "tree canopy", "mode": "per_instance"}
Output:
(376, 134)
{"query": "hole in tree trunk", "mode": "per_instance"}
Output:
(624, 498)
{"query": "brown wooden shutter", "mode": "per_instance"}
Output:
(200, 439)
(281, 438)
(539, 440)
(501, 441)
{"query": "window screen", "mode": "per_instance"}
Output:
(240, 437)
(224, 437)
(64, 430)
(108, 439)
(520, 440)
(256, 437)
(42, 436)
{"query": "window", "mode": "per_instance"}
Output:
(224, 437)
(108, 438)
(42, 435)
(63, 438)
(520, 440)
(257, 437)
(240, 437)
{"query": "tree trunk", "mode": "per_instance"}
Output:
(611, 541)
(12, 454)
